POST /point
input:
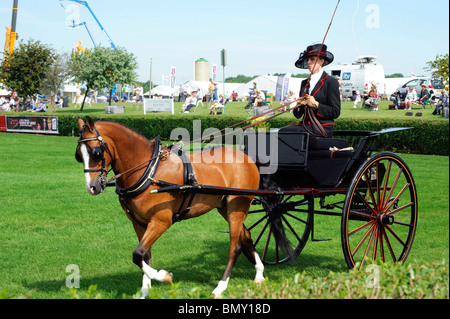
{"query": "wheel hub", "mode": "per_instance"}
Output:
(385, 219)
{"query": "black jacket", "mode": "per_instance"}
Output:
(326, 92)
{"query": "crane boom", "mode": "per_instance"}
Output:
(84, 3)
(11, 34)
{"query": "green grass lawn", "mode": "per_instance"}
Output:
(48, 221)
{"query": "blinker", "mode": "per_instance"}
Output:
(97, 154)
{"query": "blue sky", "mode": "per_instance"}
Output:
(260, 37)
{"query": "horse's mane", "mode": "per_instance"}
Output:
(124, 125)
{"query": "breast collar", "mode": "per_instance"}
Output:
(146, 179)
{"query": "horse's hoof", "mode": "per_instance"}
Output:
(217, 296)
(259, 280)
(168, 278)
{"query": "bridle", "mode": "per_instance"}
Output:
(97, 153)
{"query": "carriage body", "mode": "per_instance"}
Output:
(377, 198)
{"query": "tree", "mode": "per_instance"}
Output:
(56, 75)
(103, 67)
(25, 68)
(394, 75)
(439, 67)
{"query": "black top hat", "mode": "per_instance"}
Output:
(313, 50)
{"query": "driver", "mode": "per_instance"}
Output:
(322, 93)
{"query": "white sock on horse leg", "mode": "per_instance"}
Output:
(155, 274)
(223, 284)
(146, 285)
(259, 269)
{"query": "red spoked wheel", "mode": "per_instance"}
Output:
(379, 216)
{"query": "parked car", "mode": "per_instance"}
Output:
(432, 84)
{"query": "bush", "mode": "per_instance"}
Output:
(430, 138)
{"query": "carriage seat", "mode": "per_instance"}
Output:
(326, 160)
(322, 148)
(324, 143)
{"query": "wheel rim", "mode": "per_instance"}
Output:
(296, 221)
(380, 212)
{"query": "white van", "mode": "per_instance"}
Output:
(358, 76)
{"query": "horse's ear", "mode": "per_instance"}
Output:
(80, 123)
(90, 123)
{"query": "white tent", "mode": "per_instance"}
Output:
(164, 90)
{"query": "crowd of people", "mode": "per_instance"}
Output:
(425, 97)
(16, 104)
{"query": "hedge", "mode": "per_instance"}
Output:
(426, 137)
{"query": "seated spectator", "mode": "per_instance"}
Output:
(41, 107)
(289, 99)
(410, 98)
(219, 104)
(191, 101)
(441, 103)
(423, 97)
(4, 105)
(58, 102)
(260, 98)
(15, 104)
(433, 98)
(372, 101)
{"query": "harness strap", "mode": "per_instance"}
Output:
(142, 184)
(146, 179)
(189, 179)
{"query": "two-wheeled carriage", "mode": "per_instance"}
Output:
(374, 194)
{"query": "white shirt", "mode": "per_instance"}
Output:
(313, 81)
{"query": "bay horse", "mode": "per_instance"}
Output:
(105, 144)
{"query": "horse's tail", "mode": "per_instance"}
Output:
(273, 206)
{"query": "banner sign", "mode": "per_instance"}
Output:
(158, 105)
(214, 71)
(172, 76)
(282, 88)
(2, 123)
(31, 124)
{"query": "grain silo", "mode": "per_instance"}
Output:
(201, 70)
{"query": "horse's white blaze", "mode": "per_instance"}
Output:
(87, 176)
